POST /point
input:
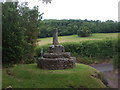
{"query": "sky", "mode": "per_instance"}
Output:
(79, 9)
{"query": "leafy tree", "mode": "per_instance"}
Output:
(20, 29)
(84, 32)
(12, 40)
(30, 23)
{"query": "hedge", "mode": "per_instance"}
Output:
(94, 48)
(89, 52)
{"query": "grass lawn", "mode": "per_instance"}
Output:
(29, 76)
(75, 38)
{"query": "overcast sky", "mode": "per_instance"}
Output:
(79, 9)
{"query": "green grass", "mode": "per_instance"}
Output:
(29, 76)
(75, 38)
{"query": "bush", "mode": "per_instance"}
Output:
(116, 61)
(97, 48)
(84, 32)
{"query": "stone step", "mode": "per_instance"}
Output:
(56, 63)
(57, 55)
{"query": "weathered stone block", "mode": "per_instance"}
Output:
(56, 49)
(57, 63)
(57, 55)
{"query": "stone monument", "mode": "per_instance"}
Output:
(56, 58)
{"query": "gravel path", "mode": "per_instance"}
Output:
(109, 73)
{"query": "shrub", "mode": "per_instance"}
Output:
(116, 61)
(84, 32)
(97, 48)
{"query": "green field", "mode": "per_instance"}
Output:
(29, 76)
(75, 38)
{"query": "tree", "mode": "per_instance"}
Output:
(20, 29)
(30, 23)
(84, 32)
(70, 27)
(12, 40)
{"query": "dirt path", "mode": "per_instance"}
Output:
(109, 73)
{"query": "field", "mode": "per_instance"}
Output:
(75, 38)
(29, 76)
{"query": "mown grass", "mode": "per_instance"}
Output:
(29, 76)
(75, 38)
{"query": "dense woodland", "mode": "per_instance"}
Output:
(70, 27)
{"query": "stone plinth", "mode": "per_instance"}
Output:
(56, 63)
(56, 49)
(56, 58)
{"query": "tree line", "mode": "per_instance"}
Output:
(70, 27)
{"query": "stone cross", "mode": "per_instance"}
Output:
(55, 36)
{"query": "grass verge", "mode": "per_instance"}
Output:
(29, 76)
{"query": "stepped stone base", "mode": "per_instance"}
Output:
(56, 63)
(57, 55)
(56, 59)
